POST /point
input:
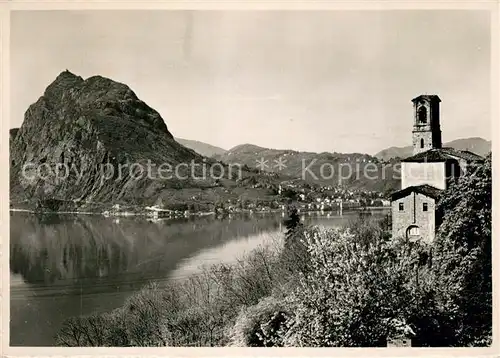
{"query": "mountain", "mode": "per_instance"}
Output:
(350, 170)
(475, 144)
(92, 142)
(89, 144)
(394, 152)
(204, 149)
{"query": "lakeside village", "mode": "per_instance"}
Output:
(306, 198)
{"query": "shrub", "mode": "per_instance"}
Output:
(354, 289)
(262, 325)
(94, 330)
(144, 315)
(140, 322)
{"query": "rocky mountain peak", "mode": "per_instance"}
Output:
(65, 81)
(82, 123)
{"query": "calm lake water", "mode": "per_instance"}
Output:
(63, 266)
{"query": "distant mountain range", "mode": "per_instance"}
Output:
(327, 169)
(295, 162)
(204, 149)
(475, 144)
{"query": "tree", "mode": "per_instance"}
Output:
(355, 291)
(294, 256)
(289, 193)
(260, 325)
(463, 256)
(292, 222)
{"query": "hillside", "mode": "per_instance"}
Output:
(205, 149)
(477, 145)
(351, 170)
(86, 142)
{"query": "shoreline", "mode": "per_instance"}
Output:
(146, 215)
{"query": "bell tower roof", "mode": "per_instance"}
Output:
(427, 97)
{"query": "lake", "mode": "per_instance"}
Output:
(63, 266)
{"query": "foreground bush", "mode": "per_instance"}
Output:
(262, 325)
(140, 322)
(353, 292)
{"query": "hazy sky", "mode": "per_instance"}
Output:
(316, 81)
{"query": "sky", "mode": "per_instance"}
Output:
(334, 81)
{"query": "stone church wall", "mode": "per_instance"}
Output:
(413, 214)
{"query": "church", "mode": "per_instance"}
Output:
(426, 173)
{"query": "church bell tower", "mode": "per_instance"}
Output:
(426, 128)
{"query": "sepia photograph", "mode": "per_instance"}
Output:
(256, 178)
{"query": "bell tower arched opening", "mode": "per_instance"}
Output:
(426, 128)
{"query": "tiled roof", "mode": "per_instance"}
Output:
(442, 155)
(429, 97)
(464, 154)
(431, 155)
(425, 189)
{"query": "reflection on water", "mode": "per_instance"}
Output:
(225, 253)
(63, 266)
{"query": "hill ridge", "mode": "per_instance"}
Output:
(476, 145)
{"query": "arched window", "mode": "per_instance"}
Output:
(422, 143)
(412, 231)
(422, 114)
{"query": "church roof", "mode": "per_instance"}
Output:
(443, 155)
(428, 97)
(424, 189)
(463, 154)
